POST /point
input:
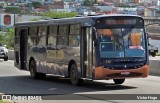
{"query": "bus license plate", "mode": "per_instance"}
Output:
(125, 73)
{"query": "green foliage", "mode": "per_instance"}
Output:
(89, 2)
(36, 19)
(2, 38)
(59, 14)
(29, 5)
(7, 37)
(13, 10)
(5, 101)
(36, 4)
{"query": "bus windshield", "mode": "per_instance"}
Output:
(121, 42)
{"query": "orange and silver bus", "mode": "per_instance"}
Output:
(83, 48)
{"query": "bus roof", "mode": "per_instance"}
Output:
(84, 20)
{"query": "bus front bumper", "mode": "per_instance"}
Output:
(105, 73)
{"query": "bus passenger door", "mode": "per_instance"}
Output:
(23, 48)
(87, 52)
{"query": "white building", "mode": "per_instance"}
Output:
(66, 9)
(126, 1)
(156, 2)
(132, 11)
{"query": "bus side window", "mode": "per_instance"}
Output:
(42, 31)
(62, 38)
(74, 35)
(32, 36)
(74, 40)
(52, 35)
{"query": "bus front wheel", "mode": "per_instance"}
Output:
(33, 71)
(75, 80)
(118, 81)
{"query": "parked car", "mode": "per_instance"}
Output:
(3, 52)
(152, 50)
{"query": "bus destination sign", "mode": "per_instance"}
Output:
(120, 21)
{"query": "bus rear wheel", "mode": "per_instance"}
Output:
(75, 80)
(118, 81)
(33, 71)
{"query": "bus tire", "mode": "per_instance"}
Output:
(75, 80)
(33, 71)
(41, 75)
(118, 81)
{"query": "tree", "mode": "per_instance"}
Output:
(89, 2)
(10, 37)
(29, 5)
(2, 38)
(13, 10)
(61, 14)
(36, 4)
(7, 37)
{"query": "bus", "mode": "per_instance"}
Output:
(83, 48)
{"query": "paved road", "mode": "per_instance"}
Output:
(14, 81)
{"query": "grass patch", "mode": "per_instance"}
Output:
(5, 101)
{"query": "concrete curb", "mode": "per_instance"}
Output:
(11, 54)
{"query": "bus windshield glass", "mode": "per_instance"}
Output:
(121, 42)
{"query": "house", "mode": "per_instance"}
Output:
(132, 11)
(150, 11)
(156, 2)
(104, 9)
